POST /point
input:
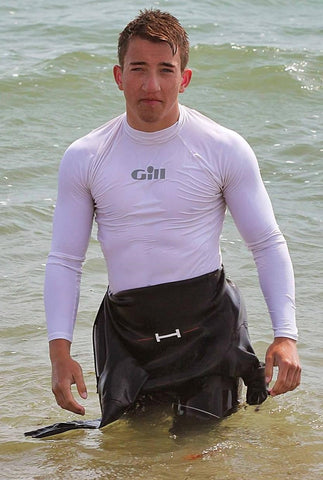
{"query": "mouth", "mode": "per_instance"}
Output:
(150, 101)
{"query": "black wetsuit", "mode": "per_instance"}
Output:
(187, 340)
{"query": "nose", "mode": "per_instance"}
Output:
(151, 83)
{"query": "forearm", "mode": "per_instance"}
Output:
(61, 298)
(276, 279)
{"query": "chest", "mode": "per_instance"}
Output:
(153, 182)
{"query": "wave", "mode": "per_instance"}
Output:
(259, 68)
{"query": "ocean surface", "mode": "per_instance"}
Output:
(257, 68)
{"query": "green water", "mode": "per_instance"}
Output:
(257, 68)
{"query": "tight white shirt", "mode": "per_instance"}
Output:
(159, 200)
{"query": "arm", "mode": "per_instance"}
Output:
(252, 212)
(71, 232)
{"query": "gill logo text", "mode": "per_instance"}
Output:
(150, 174)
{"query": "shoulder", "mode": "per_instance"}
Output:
(79, 158)
(89, 145)
(208, 130)
(214, 141)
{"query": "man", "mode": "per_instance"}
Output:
(158, 180)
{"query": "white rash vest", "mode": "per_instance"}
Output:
(159, 200)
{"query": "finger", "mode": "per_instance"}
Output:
(279, 387)
(281, 384)
(69, 403)
(288, 379)
(295, 378)
(66, 400)
(269, 368)
(80, 384)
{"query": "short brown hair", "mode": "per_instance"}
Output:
(155, 26)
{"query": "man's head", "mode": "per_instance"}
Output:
(155, 26)
(153, 53)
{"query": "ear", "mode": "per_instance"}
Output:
(186, 78)
(117, 73)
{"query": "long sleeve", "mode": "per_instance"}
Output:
(251, 209)
(71, 233)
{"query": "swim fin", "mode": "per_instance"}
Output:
(62, 427)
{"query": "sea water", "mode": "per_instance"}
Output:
(257, 68)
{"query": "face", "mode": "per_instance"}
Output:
(151, 80)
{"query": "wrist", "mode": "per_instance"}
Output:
(59, 349)
(284, 339)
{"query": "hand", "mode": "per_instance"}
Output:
(282, 353)
(66, 372)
